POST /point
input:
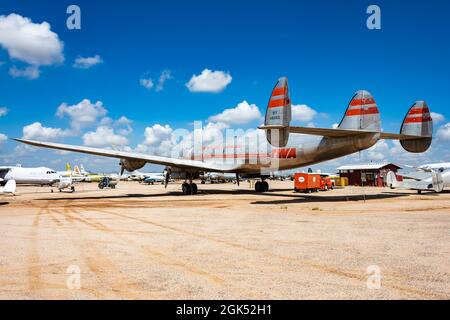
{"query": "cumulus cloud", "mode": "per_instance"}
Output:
(36, 131)
(33, 43)
(156, 134)
(82, 114)
(3, 111)
(30, 72)
(335, 125)
(104, 136)
(88, 62)
(303, 113)
(241, 114)
(3, 138)
(444, 132)
(209, 81)
(437, 117)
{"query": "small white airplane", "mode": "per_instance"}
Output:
(151, 176)
(34, 176)
(359, 129)
(10, 187)
(428, 177)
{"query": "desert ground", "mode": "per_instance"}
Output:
(147, 242)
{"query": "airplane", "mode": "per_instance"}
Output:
(154, 178)
(429, 177)
(10, 187)
(141, 176)
(359, 129)
(76, 175)
(35, 176)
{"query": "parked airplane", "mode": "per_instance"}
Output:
(359, 129)
(141, 176)
(10, 187)
(76, 175)
(36, 176)
(429, 177)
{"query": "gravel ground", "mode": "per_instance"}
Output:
(146, 242)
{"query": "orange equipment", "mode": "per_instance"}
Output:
(307, 182)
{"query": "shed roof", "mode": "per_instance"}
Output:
(367, 166)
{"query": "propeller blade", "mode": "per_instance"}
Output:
(237, 179)
(167, 177)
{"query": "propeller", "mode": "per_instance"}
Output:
(122, 169)
(237, 179)
(166, 177)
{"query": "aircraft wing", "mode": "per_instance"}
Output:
(329, 132)
(165, 161)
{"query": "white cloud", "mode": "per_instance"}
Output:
(302, 113)
(33, 43)
(437, 117)
(241, 114)
(147, 83)
(444, 132)
(209, 81)
(88, 62)
(104, 137)
(335, 125)
(30, 72)
(82, 114)
(165, 75)
(36, 131)
(379, 151)
(3, 138)
(156, 134)
(3, 111)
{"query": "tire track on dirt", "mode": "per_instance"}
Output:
(155, 254)
(309, 263)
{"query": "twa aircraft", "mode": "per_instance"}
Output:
(359, 129)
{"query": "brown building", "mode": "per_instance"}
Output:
(372, 174)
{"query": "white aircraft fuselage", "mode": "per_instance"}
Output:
(34, 176)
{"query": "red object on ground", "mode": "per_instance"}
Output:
(326, 184)
(307, 182)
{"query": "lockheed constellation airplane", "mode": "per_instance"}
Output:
(359, 129)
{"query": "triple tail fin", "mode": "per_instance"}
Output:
(362, 113)
(418, 123)
(278, 114)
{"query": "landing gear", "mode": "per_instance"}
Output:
(189, 189)
(261, 186)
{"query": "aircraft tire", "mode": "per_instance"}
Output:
(194, 188)
(259, 187)
(265, 186)
(186, 189)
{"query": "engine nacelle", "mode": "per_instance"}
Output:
(132, 165)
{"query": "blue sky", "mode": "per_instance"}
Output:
(324, 47)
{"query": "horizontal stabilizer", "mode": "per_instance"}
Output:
(329, 132)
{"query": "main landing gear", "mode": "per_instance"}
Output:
(189, 188)
(261, 186)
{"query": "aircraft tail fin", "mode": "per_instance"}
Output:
(362, 113)
(391, 180)
(278, 114)
(10, 187)
(68, 168)
(417, 123)
(76, 170)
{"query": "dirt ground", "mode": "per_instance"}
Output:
(145, 242)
